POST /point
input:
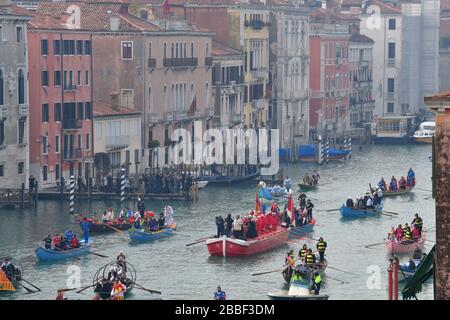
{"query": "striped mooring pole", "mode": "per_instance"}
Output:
(122, 186)
(350, 148)
(328, 150)
(345, 145)
(72, 195)
(320, 152)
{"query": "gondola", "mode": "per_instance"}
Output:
(43, 254)
(348, 212)
(307, 187)
(318, 266)
(145, 235)
(10, 283)
(227, 180)
(103, 286)
(102, 227)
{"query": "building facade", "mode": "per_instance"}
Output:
(14, 97)
(362, 104)
(60, 60)
(289, 58)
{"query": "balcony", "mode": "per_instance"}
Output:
(255, 24)
(258, 73)
(70, 87)
(72, 154)
(117, 142)
(168, 116)
(23, 111)
(180, 62)
(72, 124)
(236, 118)
(151, 63)
(153, 118)
(208, 61)
(180, 116)
(258, 104)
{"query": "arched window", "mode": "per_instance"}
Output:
(21, 87)
(2, 88)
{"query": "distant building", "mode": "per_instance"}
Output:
(228, 86)
(362, 104)
(14, 97)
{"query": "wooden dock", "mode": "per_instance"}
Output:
(15, 198)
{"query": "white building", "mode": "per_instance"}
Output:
(289, 50)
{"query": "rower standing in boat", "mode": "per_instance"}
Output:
(168, 215)
(321, 247)
(86, 227)
(310, 259)
(220, 223)
(287, 183)
(411, 178)
(303, 252)
(418, 222)
(220, 294)
(317, 283)
(309, 208)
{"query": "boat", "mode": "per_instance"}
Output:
(11, 282)
(142, 235)
(102, 286)
(425, 133)
(307, 187)
(318, 266)
(394, 247)
(404, 272)
(309, 153)
(102, 227)
(348, 212)
(44, 254)
(394, 130)
(231, 247)
(5, 283)
(227, 180)
(399, 192)
(201, 184)
(299, 289)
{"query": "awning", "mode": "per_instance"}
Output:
(422, 274)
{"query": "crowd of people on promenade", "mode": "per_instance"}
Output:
(407, 234)
(254, 223)
(401, 185)
(172, 182)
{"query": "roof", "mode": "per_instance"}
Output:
(351, 3)
(219, 49)
(357, 37)
(94, 17)
(443, 96)
(330, 16)
(103, 109)
(15, 11)
(384, 7)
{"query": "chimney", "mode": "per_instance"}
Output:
(115, 23)
(115, 100)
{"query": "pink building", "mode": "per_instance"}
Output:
(60, 74)
(329, 71)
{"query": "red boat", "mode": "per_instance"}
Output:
(231, 247)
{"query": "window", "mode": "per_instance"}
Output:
(44, 173)
(20, 168)
(45, 145)
(88, 141)
(44, 47)
(2, 169)
(87, 47)
(79, 47)
(57, 144)
(2, 87)
(86, 77)
(21, 87)
(165, 50)
(44, 78)
(19, 34)
(57, 78)
(79, 78)
(391, 85)
(80, 112)
(69, 47)
(45, 114)
(390, 107)
(21, 129)
(391, 24)
(57, 172)
(192, 50)
(150, 50)
(80, 144)
(56, 47)
(127, 50)
(57, 112)
(126, 98)
(391, 50)
(2, 133)
(88, 106)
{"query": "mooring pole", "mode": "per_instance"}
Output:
(395, 279)
(122, 186)
(22, 196)
(350, 147)
(390, 280)
(72, 195)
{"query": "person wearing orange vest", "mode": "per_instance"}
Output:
(118, 291)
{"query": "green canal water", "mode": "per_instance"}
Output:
(182, 272)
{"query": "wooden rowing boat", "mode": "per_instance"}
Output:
(399, 192)
(347, 212)
(318, 266)
(5, 283)
(307, 187)
(227, 180)
(102, 285)
(107, 227)
(43, 254)
(395, 247)
(145, 235)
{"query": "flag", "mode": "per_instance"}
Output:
(290, 208)
(258, 203)
(166, 8)
(193, 106)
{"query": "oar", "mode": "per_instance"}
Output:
(138, 286)
(385, 214)
(195, 242)
(97, 254)
(328, 210)
(375, 244)
(26, 288)
(65, 290)
(328, 266)
(328, 277)
(272, 271)
(79, 291)
(114, 228)
(38, 289)
(390, 212)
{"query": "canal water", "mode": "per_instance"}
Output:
(182, 272)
